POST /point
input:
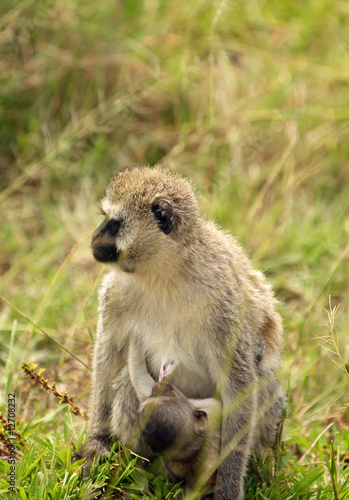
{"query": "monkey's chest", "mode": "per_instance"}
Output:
(192, 383)
(165, 332)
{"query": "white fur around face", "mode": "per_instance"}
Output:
(113, 210)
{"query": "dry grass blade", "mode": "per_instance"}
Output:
(29, 369)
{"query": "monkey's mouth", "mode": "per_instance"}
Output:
(105, 253)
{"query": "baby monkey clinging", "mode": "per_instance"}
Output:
(184, 432)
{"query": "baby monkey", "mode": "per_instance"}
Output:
(185, 432)
(181, 431)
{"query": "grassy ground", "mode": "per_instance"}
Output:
(250, 99)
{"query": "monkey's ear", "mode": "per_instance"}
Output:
(199, 414)
(163, 213)
(200, 422)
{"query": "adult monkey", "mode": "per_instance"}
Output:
(181, 288)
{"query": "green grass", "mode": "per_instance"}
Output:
(250, 99)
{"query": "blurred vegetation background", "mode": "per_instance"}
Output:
(250, 99)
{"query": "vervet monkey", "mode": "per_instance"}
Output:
(181, 288)
(179, 429)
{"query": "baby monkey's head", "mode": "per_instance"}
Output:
(174, 428)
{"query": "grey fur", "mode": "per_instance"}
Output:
(180, 286)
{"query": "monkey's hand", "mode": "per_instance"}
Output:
(95, 448)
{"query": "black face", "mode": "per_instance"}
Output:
(103, 241)
(106, 253)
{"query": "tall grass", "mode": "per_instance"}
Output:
(247, 98)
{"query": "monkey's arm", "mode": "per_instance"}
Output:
(108, 361)
(140, 378)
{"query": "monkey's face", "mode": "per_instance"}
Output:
(143, 219)
(132, 234)
(174, 428)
